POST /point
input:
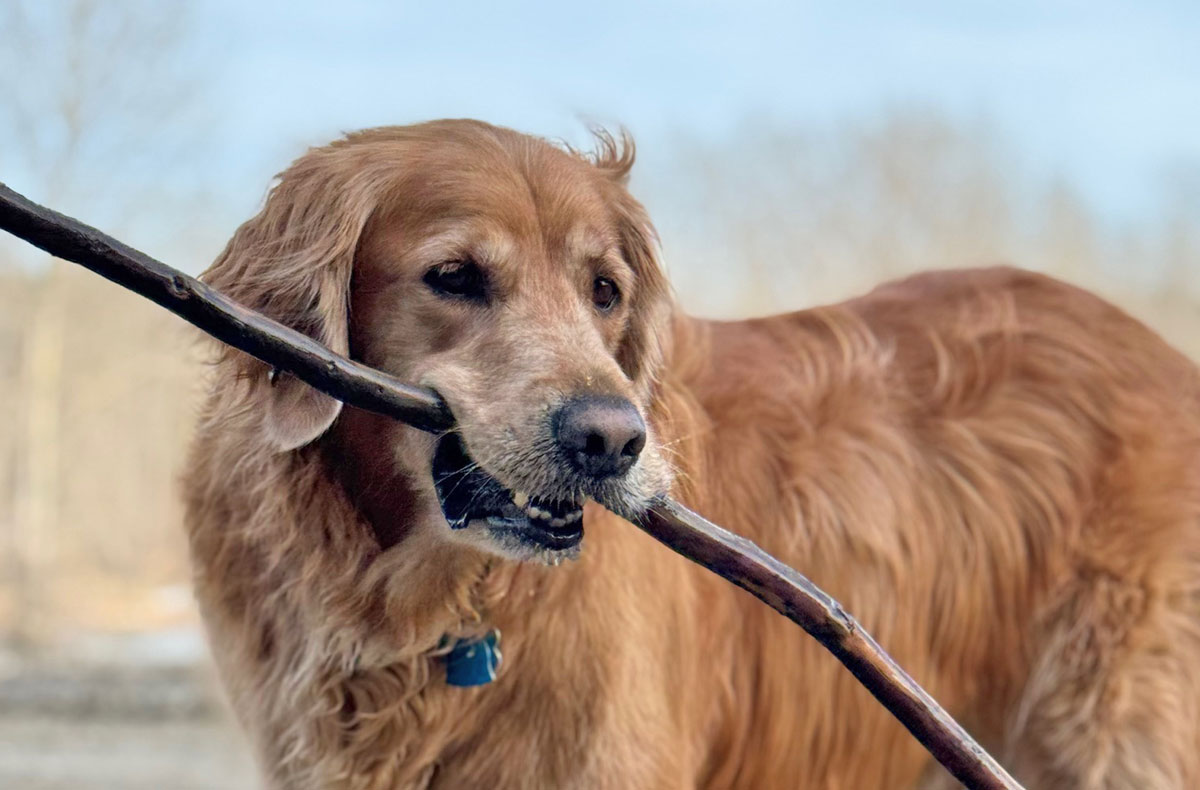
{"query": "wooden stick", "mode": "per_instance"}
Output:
(790, 593)
(268, 340)
(728, 555)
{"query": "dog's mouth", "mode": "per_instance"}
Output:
(468, 494)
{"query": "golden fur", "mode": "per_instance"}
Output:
(997, 473)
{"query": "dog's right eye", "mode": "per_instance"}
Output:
(459, 279)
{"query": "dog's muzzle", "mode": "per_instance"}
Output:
(468, 494)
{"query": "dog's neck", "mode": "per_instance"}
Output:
(439, 592)
(385, 497)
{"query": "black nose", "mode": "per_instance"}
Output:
(601, 435)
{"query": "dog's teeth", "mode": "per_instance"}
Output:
(536, 512)
(557, 522)
(574, 515)
(520, 498)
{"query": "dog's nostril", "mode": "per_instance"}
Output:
(595, 445)
(633, 448)
(602, 436)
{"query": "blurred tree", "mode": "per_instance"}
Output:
(1181, 234)
(802, 215)
(99, 99)
(779, 216)
(1066, 236)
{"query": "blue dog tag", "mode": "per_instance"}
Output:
(473, 662)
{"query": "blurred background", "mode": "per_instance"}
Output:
(790, 153)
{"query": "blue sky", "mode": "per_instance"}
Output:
(1106, 94)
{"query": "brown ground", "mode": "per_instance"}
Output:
(58, 753)
(117, 727)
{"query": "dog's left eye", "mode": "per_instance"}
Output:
(605, 293)
(461, 279)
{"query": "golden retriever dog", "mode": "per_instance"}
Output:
(997, 473)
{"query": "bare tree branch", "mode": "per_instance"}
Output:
(106, 73)
(793, 595)
(728, 555)
(229, 322)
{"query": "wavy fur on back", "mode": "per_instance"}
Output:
(997, 473)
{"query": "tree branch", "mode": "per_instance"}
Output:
(272, 342)
(730, 556)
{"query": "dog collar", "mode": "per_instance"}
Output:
(473, 662)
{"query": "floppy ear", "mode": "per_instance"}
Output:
(293, 262)
(647, 335)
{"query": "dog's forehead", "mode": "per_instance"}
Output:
(541, 195)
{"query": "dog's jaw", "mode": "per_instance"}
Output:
(516, 524)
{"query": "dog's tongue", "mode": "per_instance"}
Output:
(464, 490)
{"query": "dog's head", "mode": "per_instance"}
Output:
(515, 277)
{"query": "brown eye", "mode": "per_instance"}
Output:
(458, 279)
(605, 294)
